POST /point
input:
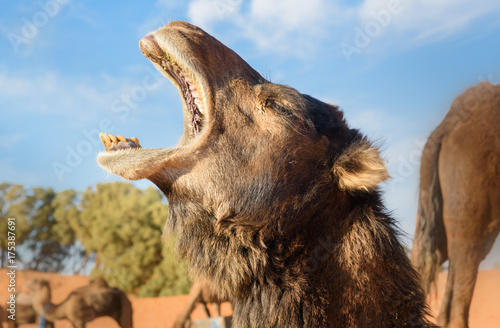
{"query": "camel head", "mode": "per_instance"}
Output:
(246, 141)
(99, 282)
(255, 156)
(40, 293)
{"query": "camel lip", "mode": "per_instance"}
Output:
(150, 48)
(183, 76)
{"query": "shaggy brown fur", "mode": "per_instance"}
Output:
(200, 294)
(459, 204)
(84, 304)
(273, 197)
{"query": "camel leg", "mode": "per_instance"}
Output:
(468, 257)
(444, 313)
(465, 224)
(207, 310)
(464, 262)
(116, 317)
(79, 324)
(195, 297)
(217, 309)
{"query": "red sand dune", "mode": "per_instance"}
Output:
(162, 311)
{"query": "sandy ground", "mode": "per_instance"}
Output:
(162, 311)
(485, 307)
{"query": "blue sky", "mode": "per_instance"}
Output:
(69, 69)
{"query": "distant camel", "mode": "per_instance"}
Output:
(200, 294)
(458, 215)
(84, 304)
(24, 313)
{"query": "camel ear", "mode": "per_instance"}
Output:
(360, 167)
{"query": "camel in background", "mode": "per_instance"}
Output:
(24, 313)
(84, 304)
(200, 294)
(458, 215)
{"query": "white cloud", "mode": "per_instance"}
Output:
(9, 141)
(281, 25)
(298, 27)
(290, 15)
(427, 20)
(204, 12)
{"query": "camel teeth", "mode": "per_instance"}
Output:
(121, 138)
(113, 139)
(134, 139)
(105, 139)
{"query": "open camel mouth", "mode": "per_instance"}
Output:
(182, 77)
(185, 81)
(125, 156)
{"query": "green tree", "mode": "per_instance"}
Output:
(66, 213)
(170, 277)
(116, 224)
(49, 241)
(123, 226)
(67, 216)
(12, 205)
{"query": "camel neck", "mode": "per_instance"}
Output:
(54, 312)
(43, 306)
(42, 315)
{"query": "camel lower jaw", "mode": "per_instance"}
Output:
(135, 163)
